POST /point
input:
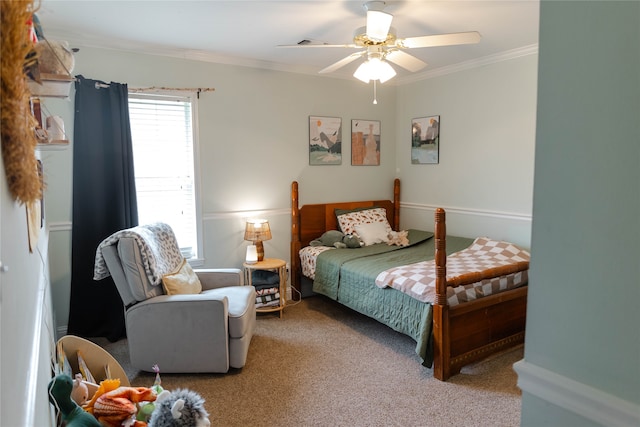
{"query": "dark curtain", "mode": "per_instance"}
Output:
(104, 201)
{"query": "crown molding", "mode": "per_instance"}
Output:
(471, 64)
(86, 41)
(211, 57)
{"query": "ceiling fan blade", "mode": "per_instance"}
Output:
(406, 61)
(342, 62)
(317, 45)
(469, 37)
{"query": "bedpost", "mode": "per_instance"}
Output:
(295, 242)
(396, 204)
(441, 256)
(442, 353)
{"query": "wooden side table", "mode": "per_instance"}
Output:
(269, 264)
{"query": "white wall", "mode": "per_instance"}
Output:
(26, 319)
(484, 178)
(254, 143)
(582, 349)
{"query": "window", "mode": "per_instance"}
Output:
(164, 153)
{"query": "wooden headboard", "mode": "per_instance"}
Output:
(310, 221)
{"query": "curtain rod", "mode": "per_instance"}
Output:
(198, 90)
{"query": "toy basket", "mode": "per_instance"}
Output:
(97, 360)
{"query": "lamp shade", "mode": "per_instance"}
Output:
(257, 229)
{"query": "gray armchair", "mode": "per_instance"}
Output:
(206, 332)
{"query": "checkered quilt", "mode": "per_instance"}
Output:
(419, 279)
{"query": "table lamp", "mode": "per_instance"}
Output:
(256, 231)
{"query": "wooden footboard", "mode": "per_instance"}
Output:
(471, 331)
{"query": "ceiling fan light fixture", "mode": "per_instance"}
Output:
(384, 71)
(380, 70)
(362, 73)
(374, 69)
(378, 24)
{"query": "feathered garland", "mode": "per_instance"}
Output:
(17, 123)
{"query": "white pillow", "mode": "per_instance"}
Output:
(372, 233)
(350, 219)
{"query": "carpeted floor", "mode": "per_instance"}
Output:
(322, 364)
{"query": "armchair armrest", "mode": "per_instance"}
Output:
(161, 329)
(212, 278)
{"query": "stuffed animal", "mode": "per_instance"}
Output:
(80, 391)
(145, 409)
(115, 406)
(336, 239)
(398, 238)
(54, 57)
(352, 241)
(60, 388)
(328, 238)
(118, 407)
(179, 408)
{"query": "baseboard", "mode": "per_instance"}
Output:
(575, 397)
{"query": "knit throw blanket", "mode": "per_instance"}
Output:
(158, 248)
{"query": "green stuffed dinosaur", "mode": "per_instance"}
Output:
(336, 239)
(60, 395)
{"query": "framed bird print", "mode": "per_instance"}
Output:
(325, 140)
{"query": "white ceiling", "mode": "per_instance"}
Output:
(247, 32)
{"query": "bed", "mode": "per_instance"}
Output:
(447, 336)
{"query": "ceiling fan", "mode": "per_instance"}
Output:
(380, 45)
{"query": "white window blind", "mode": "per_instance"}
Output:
(162, 130)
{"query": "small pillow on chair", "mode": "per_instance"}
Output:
(182, 281)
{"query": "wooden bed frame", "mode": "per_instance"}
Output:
(463, 333)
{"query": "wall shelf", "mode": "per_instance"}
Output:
(58, 144)
(51, 85)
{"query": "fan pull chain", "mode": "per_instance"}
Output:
(375, 93)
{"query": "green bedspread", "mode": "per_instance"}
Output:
(348, 276)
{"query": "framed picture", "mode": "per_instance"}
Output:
(365, 142)
(425, 140)
(325, 140)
